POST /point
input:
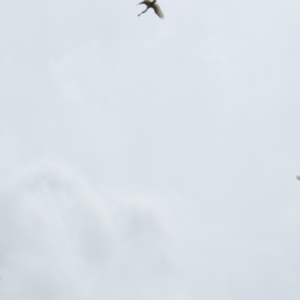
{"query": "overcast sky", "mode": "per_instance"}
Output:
(143, 158)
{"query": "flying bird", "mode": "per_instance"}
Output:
(298, 177)
(152, 4)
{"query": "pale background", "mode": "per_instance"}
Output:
(149, 159)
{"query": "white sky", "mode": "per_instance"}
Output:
(149, 159)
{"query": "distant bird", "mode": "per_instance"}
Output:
(298, 177)
(152, 4)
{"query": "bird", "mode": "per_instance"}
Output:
(298, 177)
(152, 4)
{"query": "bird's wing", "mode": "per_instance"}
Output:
(158, 10)
(145, 2)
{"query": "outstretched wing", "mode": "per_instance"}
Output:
(146, 2)
(158, 10)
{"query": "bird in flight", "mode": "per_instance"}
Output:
(152, 4)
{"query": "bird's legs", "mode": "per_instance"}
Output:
(143, 11)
